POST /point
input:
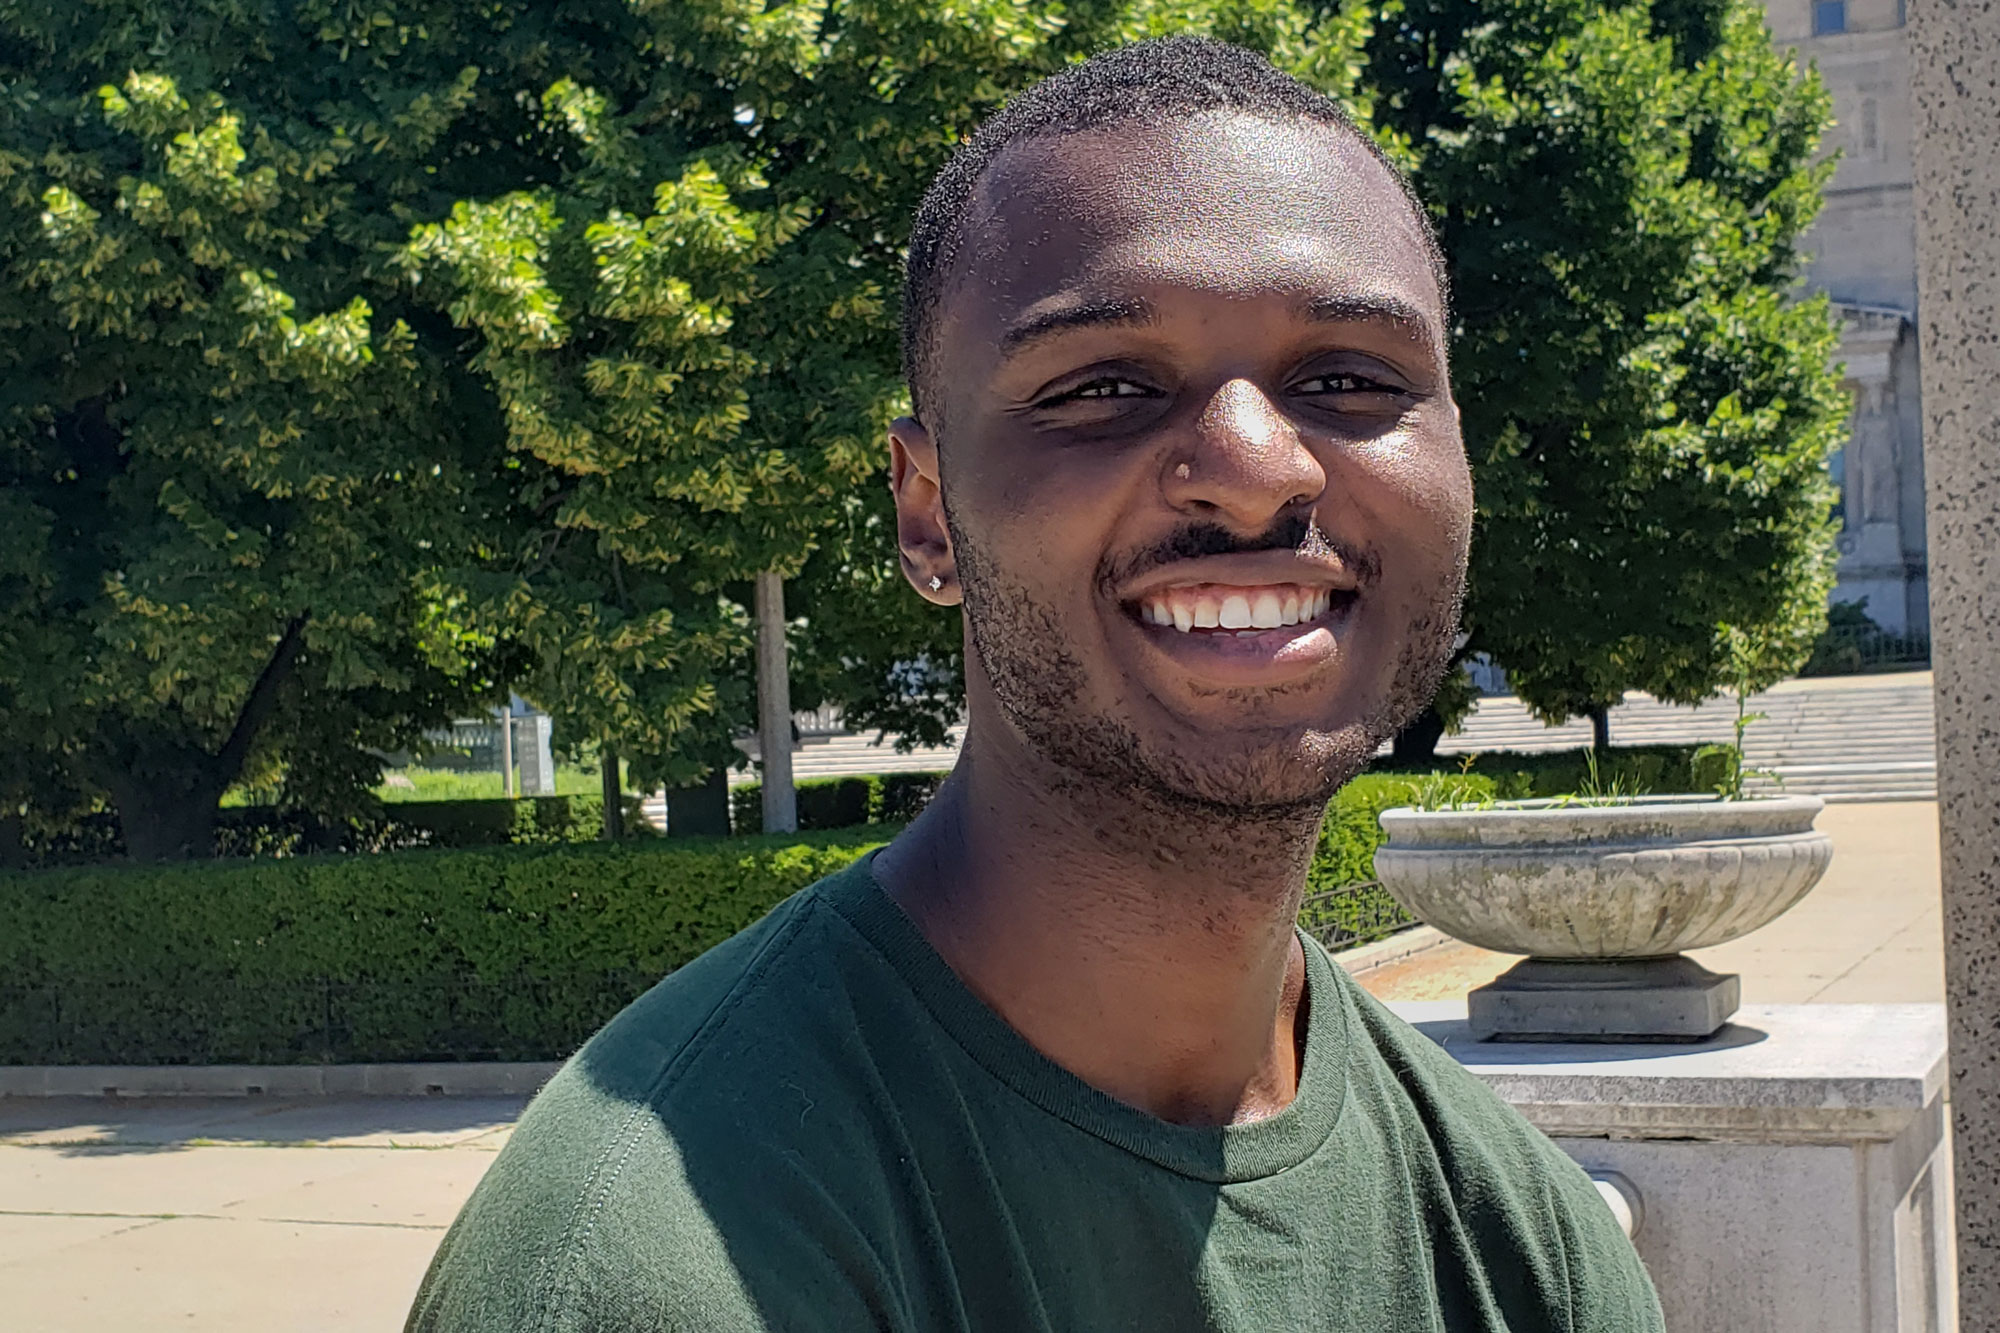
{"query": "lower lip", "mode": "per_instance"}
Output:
(1254, 657)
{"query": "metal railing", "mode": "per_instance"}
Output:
(1855, 650)
(1352, 914)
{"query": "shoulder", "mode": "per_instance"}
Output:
(620, 1200)
(1532, 1221)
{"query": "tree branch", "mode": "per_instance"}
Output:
(263, 698)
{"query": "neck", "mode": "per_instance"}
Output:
(1146, 946)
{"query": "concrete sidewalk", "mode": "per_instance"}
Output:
(232, 1214)
(236, 1214)
(1872, 932)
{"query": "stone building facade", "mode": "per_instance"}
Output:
(1863, 255)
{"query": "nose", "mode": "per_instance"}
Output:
(1246, 464)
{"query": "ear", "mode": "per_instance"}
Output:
(921, 533)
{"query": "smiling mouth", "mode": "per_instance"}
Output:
(1227, 609)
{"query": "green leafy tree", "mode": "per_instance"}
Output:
(1649, 412)
(232, 455)
(690, 326)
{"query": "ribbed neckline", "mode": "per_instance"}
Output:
(1228, 1155)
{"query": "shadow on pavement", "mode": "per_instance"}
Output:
(169, 1124)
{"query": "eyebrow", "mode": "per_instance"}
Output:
(1374, 308)
(1085, 313)
(1379, 309)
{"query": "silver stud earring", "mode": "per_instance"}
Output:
(936, 583)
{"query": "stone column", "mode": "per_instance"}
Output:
(1955, 66)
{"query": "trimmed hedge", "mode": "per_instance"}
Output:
(511, 953)
(248, 831)
(1657, 770)
(847, 802)
(497, 953)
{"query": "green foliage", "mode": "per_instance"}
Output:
(360, 364)
(230, 451)
(1342, 900)
(1719, 768)
(483, 952)
(1351, 832)
(1602, 786)
(435, 784)
(904, 795)
(503, 953)
(246, 831)
(1620, 192)
(1548, 775)
(1852, 643)
(830, 803)
(823, 803)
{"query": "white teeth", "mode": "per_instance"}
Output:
(1247, 611)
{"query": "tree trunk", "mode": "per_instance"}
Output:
(774, 708)
(1416, 744)
(13, 840)
(168, 817)
(614, 795)
(1600, 728)
(167, 788)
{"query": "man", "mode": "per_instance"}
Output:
(1184, 446)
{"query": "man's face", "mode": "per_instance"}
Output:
(1205, 491)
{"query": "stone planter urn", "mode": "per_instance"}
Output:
(1603, 898)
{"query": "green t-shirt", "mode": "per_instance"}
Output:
(817, 1127)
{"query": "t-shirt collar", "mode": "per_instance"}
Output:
(1229, 1154)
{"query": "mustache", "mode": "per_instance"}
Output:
(1297, 533)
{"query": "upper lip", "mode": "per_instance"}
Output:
(1248, 569)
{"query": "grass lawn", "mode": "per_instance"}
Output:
(439, 784)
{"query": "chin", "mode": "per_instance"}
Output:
(1264, 776)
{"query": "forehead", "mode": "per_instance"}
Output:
(1224, 204)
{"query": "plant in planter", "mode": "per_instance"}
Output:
(1605, 892)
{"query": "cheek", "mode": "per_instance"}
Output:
(1416, 496)
(1044, 519)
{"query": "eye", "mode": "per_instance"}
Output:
(1340, 382)
(1100, 389)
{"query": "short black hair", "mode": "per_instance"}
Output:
(1165, 79)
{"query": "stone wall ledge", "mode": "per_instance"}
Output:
(1818, 1073)
(446, 1079)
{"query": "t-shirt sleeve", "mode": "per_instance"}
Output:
(546, 1243)
(594, 1220)
(1527, 1218)
(1610, 1291)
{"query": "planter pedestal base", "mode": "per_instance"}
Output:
(1621, 1000)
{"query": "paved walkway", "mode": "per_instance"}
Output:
(230, 1215)
(239, 1215)
(1872, 932)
